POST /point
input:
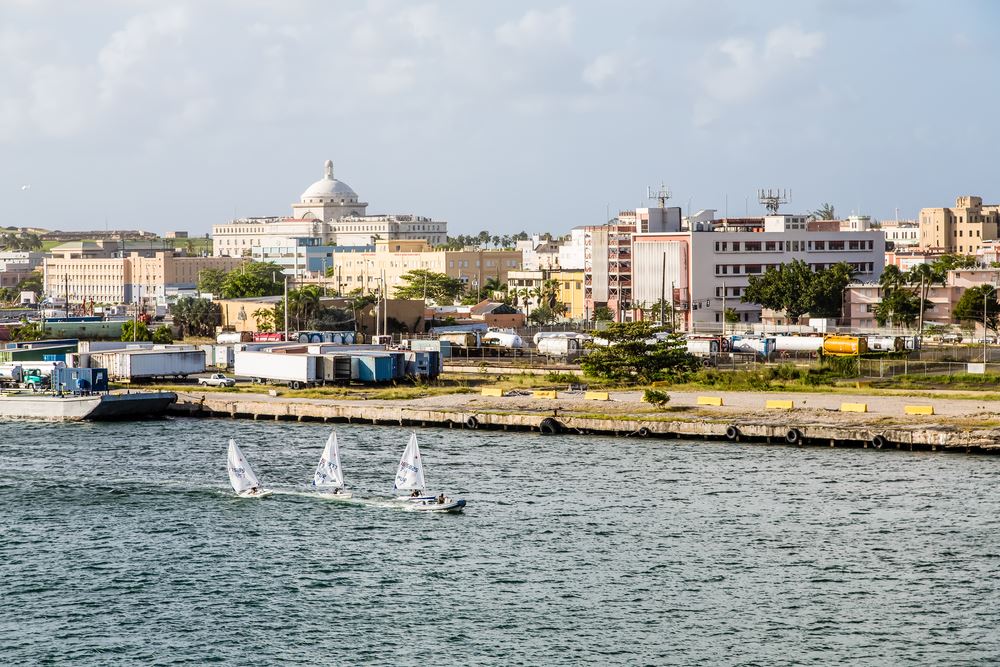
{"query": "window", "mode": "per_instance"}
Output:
(751, 246)
(819, 245)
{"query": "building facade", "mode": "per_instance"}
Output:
(960, 229)
(391, 259)
(705, 273)
(568, 284)
(115, 280)
(15, 266)
(328, 213)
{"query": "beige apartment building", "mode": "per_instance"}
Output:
(569, 288)
(961, 229)
(86, 276)
(364, 270)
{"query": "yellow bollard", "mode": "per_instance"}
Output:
(492, 391)
(777, 404)
(544, 393)
(596, 396)
(918, 409)
(710, 400)
(854, 407)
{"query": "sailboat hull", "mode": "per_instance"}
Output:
(453, 506)
(259, 494)
(343, 495)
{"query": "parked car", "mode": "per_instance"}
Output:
(217, 380)
(951, 338)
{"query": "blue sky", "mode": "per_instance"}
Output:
(498, 116)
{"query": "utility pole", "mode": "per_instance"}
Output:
(663, 289)
(673, 324)
(385, 305)
(286, 307)
(920, 323)
(723, 307)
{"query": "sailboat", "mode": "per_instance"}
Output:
(410, 477)
(242, 476)
(329, 475)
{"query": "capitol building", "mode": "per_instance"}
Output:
(329, 217)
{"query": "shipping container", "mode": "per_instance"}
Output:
(502, 339)
(885, 343)
(371, 368)
(844, 346)
(223, 357)
(763, 348)
(131, 365)
(703, 348)
(798, 343)
(463, 339)
(230, 337)
(80, 380)
(560, 347)
(297, 370)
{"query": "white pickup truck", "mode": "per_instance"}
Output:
(217, 380)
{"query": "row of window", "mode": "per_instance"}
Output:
(792, 246)
(758, 269)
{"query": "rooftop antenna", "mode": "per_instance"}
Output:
(772, 199)
(661, 195)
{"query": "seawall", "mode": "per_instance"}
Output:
(571, 415)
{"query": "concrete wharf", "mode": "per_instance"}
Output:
(568, 413)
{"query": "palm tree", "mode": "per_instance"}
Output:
(824, 212)
(925, 275)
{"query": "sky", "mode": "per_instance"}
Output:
(535, 116)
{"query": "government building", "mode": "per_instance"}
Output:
(328, 218)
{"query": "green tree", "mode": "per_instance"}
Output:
(211, 281)
(162, 335)
(786, 288)
(632, 356)
(796, 289)
(603, 314)
(253, 279)
(33, 283)
(731, 316)
(440, 287)
(978, 304)
(135, 331)
(899, 304)
(826, 291)
(924, 276)
(196, 317)
(264, 317)
(26, 331)
(303, 304)
(542, 315)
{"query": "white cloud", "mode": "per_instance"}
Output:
(144, 38)
(738, 70)
(614, 70)
(537, 28)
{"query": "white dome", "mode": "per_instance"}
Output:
(329, 187)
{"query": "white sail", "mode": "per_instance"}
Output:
(241, 475)
(329, 474)
(411, 468)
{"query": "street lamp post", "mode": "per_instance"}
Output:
(986, 293)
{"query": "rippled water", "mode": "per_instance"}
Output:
(121, 543)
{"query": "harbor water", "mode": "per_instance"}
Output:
(122, 543)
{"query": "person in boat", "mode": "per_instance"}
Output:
(441, 499)
(415, 494)
(253, 490)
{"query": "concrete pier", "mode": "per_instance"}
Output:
(554, 417)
